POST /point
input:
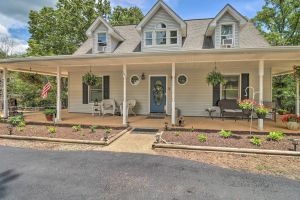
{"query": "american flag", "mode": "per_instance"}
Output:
(45, 90)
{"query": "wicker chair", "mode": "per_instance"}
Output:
(108, 106)
(130, 107)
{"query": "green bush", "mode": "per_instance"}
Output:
(275, 136)
(50, 112)
(51, 130)
(202, 138)
(108, 130)
(256, 141)
(16, 120)
(76, 128)
(93, 129)
(225, 134)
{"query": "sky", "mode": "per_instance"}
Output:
(14, 13)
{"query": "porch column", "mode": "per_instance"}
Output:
(58, 95)
(261, 70)
(125, 95)
(297, 97)
(173, 94)
(5, 100)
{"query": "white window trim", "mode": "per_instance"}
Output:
(89, 91)
(240, 84)
(105, 36)
(233, 32)
(168, 37)
(187, 79)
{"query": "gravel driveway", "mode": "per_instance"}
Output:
(32, 174)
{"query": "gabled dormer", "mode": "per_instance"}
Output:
(161, 29)
(104, 37)
(224, 29)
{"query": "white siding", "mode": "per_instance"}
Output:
(192, 99)
(161, 17)
(226, 19)
(111, 42)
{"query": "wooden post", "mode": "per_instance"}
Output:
(5, 99)
(261, 70)
(173, 94)
(58, 95)
(125, 95)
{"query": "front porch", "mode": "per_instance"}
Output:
(142, 121)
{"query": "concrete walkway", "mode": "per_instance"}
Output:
(133, 143)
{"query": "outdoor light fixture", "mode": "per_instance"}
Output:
(143, 77)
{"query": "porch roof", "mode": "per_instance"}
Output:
(280, 59)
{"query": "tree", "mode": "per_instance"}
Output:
(279, 21)
(126, 16)
(6, 46)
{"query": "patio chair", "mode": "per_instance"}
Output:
(130, 107)
(108, 106)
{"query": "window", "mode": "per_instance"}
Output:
(231, 89)
(96, 92)
(182, 79)
(161, 37)
(102, 40)
(135, 80)
(161, 25)
(173, 37)
(226, 34)
(148, 38)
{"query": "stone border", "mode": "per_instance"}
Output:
(59, 140)
(224, 149)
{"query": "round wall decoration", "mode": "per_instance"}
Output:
(182, 79)
(135, 80)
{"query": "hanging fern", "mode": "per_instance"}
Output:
(215, 78)
(90, 79)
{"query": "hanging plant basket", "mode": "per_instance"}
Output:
(90, 79)
(296, 72)
(215, 78)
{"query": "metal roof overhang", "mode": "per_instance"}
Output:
(281, 59)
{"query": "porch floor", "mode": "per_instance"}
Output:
(144, 122)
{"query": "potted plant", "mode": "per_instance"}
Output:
(261, 112)
(282, 112)
(215, 78)
(291, 120)
(90, 79)
(49, 114)
(247, 106)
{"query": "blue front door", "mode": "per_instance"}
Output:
(158, 94)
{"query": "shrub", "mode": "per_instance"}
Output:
(256, 141)
(225, 134)
(50, 112)
(275, 136)
(202, 138)
(76, 128)
(93, 129)
(51, 130)
(177, 133)
(108, 130)
(16, 120)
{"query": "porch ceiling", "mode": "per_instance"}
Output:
(280, 59)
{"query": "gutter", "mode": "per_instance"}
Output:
(144, 54)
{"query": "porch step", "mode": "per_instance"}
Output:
(156, 116)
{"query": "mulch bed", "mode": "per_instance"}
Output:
(61, 132)
(237, 141)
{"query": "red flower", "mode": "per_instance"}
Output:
(290, 118)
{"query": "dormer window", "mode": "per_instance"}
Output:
(102, 42)
(161, 25)
(148, 38)
(161, 37)
(227, 36)
(173, 37)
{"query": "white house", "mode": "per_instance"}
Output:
(163, 62)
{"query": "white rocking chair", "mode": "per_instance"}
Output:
(108, 106)
(130, 107)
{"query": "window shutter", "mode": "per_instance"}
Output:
(85, 95)
(245, 84)
(106, 87)
(216, 94)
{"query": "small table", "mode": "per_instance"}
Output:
(210, 112)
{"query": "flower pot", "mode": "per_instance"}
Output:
(292, 125)
(261, 116)
(49, 118)
(247, 112)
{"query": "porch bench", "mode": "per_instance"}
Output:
(230, 108)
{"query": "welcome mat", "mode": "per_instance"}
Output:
(155, 117)
(144, 131)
